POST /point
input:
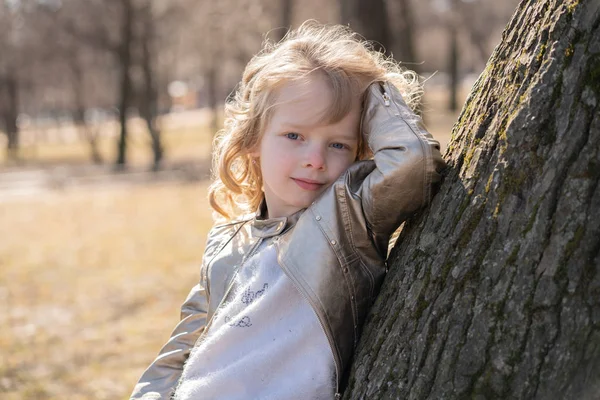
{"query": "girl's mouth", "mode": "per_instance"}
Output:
(308, 184)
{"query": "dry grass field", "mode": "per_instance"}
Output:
(91, 279)
(90, 283)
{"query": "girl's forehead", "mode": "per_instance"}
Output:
(305, 89)
(309, 100)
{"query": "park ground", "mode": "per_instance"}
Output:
(94, 264)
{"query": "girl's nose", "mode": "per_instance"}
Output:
(314, 158)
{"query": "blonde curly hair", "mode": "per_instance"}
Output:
(347, 61)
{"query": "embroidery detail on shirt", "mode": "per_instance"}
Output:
(249, 296)
(244, 322)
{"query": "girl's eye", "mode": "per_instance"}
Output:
(339, 146)
(292, 135)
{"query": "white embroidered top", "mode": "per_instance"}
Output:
(265, 342)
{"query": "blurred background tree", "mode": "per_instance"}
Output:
(74, 63)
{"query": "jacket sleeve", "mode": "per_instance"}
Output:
(162, 376)
(407, 162)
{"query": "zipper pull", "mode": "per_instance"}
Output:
(386, 99)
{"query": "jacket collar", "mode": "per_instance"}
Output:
(268, 227)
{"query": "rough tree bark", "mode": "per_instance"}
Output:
(494, 291)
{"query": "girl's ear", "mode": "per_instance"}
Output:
(254, 153)
(253, 150)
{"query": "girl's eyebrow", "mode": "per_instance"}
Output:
(293, 125)
(299, 126)
(344, 136)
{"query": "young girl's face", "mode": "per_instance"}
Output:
(300, 156)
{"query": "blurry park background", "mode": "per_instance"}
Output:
(107, 112)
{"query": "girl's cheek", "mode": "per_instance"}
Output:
(342, 161)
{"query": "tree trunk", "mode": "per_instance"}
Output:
(149, 100)
(211, 94)
(369, 18)
(453, 55)
(494, 292)
(11, 113)
(453, 79)
(404, 43)
(286, 17)
(78, 87)
(124, 59)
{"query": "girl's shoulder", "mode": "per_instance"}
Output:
(222, 232)
(223, 224)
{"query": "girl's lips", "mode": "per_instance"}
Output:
(308, 185)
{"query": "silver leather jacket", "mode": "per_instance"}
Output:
(336, 249)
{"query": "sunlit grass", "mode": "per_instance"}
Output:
(90, 285)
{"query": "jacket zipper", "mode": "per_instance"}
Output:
(319, 319)
(386, 98)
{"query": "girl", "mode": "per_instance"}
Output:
(321, 146)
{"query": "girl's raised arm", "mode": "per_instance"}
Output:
(407, 162)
